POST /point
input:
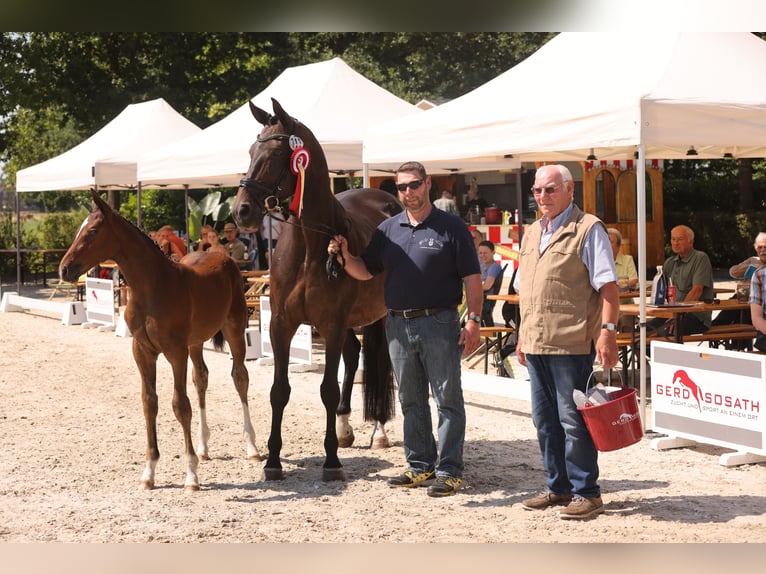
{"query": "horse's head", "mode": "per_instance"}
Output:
(283, 146)
(93, 243)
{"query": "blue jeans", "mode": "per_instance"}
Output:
(425, 354)
(569, 456)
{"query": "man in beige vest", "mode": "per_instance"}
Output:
(569, 305)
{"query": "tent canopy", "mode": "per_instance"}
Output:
(667, 91)
(334, 101)
(108, 159)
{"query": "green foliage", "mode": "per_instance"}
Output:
(210, 206)
(158, 207)
(58, 230)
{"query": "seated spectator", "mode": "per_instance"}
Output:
(478, 238)
(171, 245)
(491, 279)
(624, 264)
(203, 243)
(213, 242)
(757, 302)
(758, 260)
(692, 274)
(627, 276)
(731, 317)
(234, 247)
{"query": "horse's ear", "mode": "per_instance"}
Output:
(263, 117)
(99, 203)
(283, 116)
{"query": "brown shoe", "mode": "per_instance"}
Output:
(581, 508)
(546, 499)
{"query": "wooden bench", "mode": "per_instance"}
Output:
(494, 338)
(715, 336)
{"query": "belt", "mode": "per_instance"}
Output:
(414, 313)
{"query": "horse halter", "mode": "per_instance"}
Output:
(271, 201)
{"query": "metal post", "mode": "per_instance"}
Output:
(18, 244)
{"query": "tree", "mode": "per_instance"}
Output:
(36, 136)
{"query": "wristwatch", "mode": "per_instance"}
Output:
(609, 326)
(474, 317)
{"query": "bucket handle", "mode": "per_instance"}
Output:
(591, 378)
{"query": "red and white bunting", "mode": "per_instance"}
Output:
(622, 164)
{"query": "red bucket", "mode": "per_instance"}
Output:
(615, 424)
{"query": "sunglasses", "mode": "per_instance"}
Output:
(413, 185)
(550, 190)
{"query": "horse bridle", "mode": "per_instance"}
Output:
(271, 201)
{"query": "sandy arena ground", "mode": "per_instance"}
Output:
(74, 443)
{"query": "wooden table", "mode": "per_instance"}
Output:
(675, 312)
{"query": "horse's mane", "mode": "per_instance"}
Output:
(144, 236)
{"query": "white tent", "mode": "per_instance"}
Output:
(334, 101)
(109, 157)
(610, 92)
(616, 95)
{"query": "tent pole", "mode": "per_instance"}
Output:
(18, 244)
(138, 205)
(186, 214)
(365, 175)
(641, 208)
(519, 201)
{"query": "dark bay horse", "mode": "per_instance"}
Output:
(173, 309)
(288, 164)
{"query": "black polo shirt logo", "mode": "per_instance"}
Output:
(431, 243)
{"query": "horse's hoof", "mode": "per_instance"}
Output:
(330, 474)
(380, 442)
(147, 484)
(191, 487)
(273, 473)
(254, 458)
(204, 457)
(346, 441)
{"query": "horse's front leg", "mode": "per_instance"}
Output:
(182, 409)
(281, 334)
(200, 378)
(146, 361)
(330, 393)
(351, 350)
(236, 339)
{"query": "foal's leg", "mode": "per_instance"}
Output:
(235, 336)
(351, 350)
(146, 361)
(178, 357)
(200, 378)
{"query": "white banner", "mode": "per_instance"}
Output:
(709, 395)
(300, 346)
(99, 301)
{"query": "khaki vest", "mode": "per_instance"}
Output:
(560, 310)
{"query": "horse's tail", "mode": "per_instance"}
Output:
(378, 379)
(218, 341)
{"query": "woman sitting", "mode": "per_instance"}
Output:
(491, 278)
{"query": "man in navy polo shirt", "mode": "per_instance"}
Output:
(428, 256)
